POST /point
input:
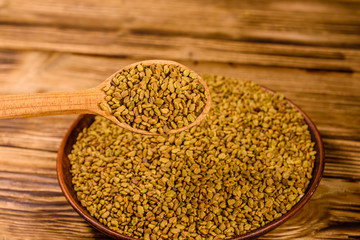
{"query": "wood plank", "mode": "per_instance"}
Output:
(42, 133)
(241, 32)
(342, 158)
(144, 45)
(331, 22)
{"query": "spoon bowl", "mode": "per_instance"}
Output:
(107, 114)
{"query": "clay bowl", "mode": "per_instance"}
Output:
(64, 178)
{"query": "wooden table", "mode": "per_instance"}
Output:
(308, 50)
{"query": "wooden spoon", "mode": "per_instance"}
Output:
(80, 102)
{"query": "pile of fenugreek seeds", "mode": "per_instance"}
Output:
(248, 163)
(155, 97)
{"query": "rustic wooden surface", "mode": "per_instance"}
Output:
(308, 50)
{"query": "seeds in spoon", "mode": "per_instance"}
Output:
(156, 97)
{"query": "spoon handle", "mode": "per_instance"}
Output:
(41, 104)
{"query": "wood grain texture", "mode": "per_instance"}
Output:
(44, 104)
(308, 50)
(310, 35)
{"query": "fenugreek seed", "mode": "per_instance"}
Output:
(180, 226)
(137, 120)
(136, 197)
(144, 190)
(166, 69)
(190, 118)
(161, 139)
(170, 193)
(163, 224)
(186, 73)
(231, 202)
(116, 80)
(148, 72)
(178, 141)
(104, 107)
(146, 236)
(171, 87)
(173, 125)
(114, 222)
(106, 88)
(159, 101)
(105, 214)
(108, 98)
(193, 75)
(153, 130)
(121, 109)
(140, 210)
(165, 110)
(140, 68)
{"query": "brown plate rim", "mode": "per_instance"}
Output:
(317, 175)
